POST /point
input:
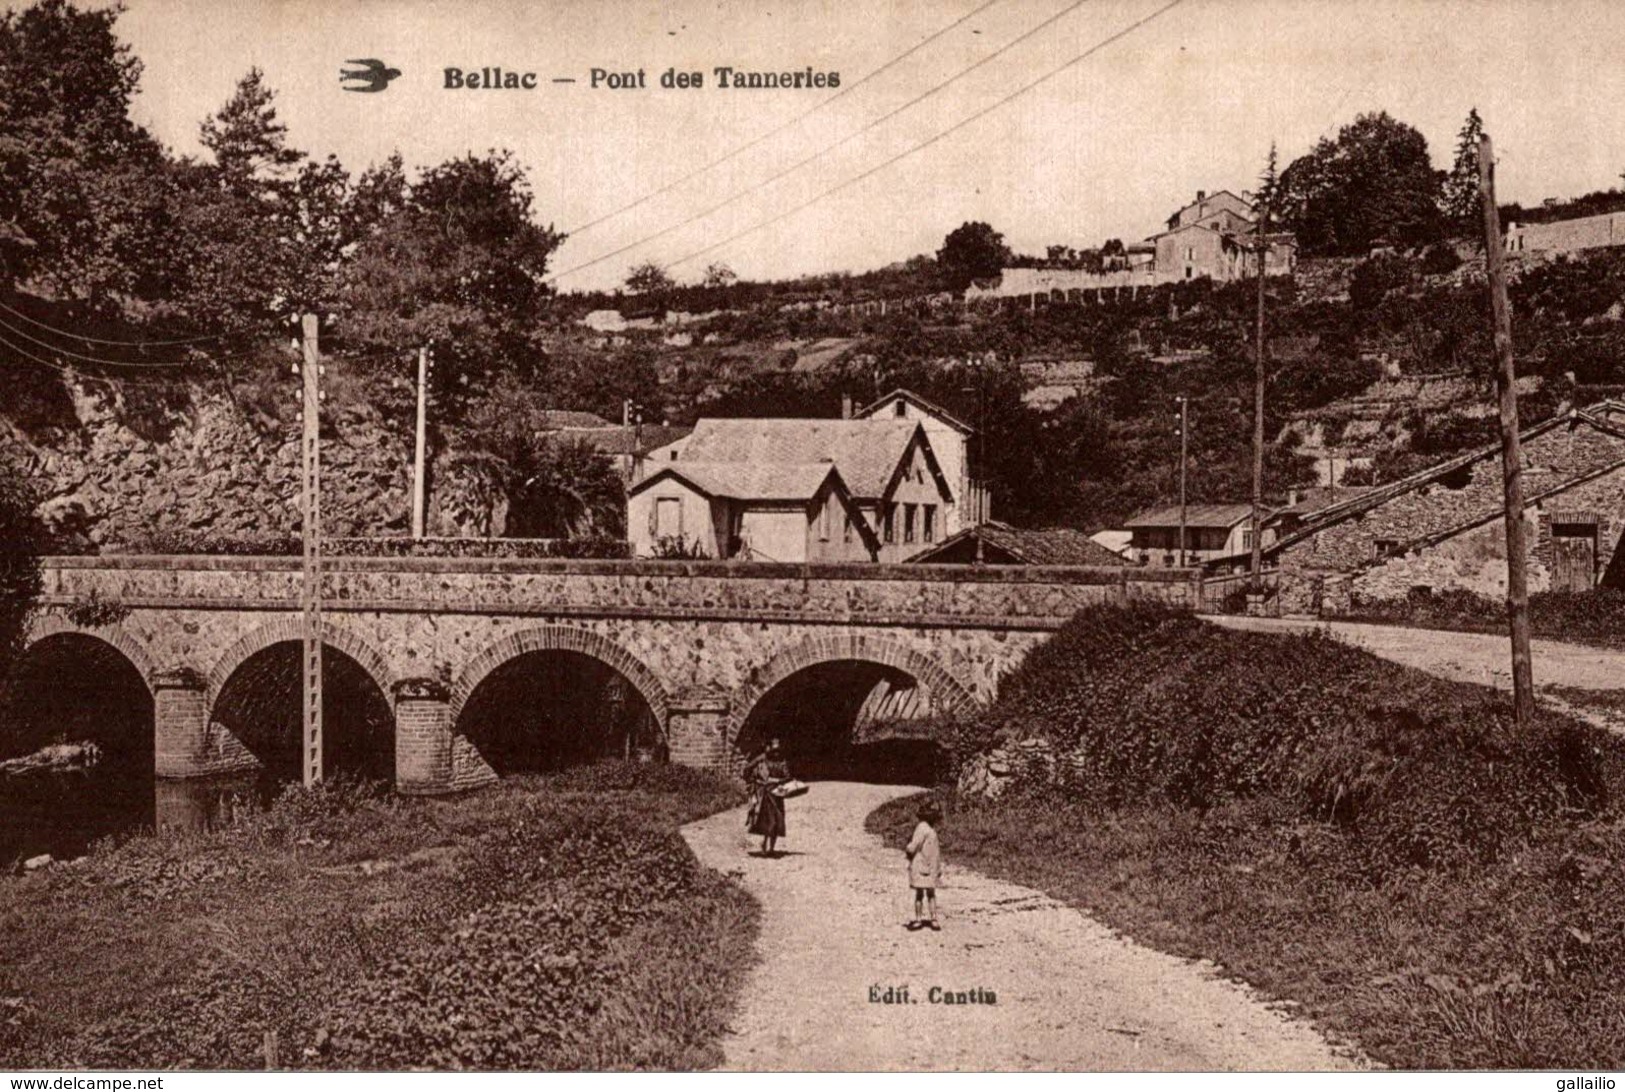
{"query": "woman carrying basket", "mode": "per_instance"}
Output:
(765, 773)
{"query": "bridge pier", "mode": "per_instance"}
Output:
(430, 758)
(422, 737)
(695, 723)
(186, 744)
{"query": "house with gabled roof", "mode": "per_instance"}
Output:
(791, 512)
(950, 443)
(1442, 528)
(888, 465)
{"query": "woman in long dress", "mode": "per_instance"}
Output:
(766, 772)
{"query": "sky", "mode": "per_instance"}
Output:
(1190, 99)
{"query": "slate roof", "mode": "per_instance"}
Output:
(1026, 546)
(1196, 515)
(750, 481)
(867, 451)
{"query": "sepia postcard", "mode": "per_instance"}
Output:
(921, 536)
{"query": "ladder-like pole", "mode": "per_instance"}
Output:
(311, 597)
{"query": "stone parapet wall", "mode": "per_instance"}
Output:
(1018, 597)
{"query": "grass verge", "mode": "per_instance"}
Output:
(546, 923)
(1366, 841)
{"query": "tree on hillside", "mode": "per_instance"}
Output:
(649, 279)
(1461, 203)
(81, 191)
(1374, 182)
(972, 251)
(719, 275)
(259, 231)
(457, 259)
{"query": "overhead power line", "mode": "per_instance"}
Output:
(746, 192)
(108, 341)
(771, 133)
(922, 145)
(48, 347)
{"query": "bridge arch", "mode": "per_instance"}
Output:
(956, 698)
(561, 639)
(292, 629)
(133, 649)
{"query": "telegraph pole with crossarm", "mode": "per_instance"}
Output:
(311, 594)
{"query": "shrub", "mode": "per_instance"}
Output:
(1375, 277)
(1152, 705)
(1440, 260)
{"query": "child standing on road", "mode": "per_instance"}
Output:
(925, 866)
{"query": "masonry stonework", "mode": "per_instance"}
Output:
(1447, 533)
(700, 642)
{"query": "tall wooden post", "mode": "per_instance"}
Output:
(311, 597)
(421, 445)
(1184, 458)
(1523, 686)
(1256, 523)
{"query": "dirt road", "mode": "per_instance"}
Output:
(1480, 658)
(1068, 994)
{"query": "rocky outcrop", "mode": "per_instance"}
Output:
(110, 475)
(1033, 761)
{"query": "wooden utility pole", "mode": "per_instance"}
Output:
(1523, 685)
(1184, 459)
(311, 597)
(419, 491)
(1256, 523)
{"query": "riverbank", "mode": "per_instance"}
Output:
(553, 922)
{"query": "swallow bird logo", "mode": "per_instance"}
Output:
(373, 73)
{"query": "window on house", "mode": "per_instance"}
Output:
(1246, 540)
(846, 529)
(824, 521)
(930, 529)
(890, 521)
(668, 517)
(908, 522)
(900, 409)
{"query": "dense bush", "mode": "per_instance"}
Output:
(1379, 846)
(1160, 706)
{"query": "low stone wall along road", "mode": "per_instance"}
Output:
(1069, 994)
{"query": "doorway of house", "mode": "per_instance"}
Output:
(1574, 556)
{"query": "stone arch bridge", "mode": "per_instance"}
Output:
(701, 642)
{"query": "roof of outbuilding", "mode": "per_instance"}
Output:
(624, 439)
(1028, 546)
(1196, 515)
(555, 419)
(867, 451)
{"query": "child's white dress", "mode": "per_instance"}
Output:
(924, 857)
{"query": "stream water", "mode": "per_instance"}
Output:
(65, 813)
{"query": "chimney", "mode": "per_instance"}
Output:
(1292, 498)
(1201, 195)
(846, 407)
